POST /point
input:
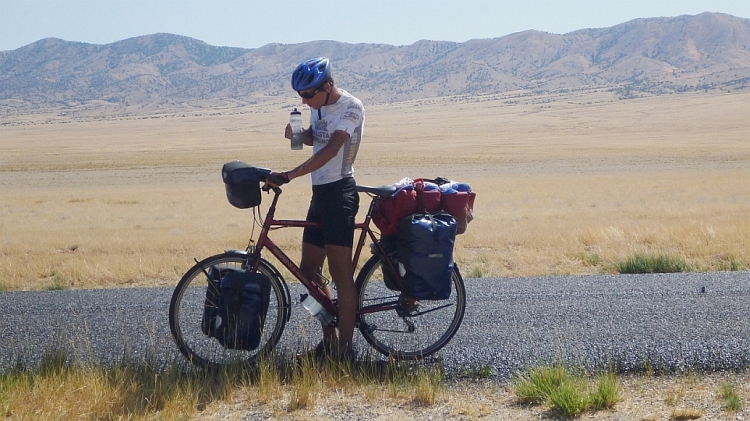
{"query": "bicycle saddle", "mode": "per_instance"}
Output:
(382, 191)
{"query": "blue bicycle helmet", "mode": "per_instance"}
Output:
(311, 74)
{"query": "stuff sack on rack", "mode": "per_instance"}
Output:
(458, 200)
(412, 196)
(239, 315)
(387, 213)
(242, 183)
(424, 196)
(425, 255)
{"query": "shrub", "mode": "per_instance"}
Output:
(564, 393)
(569, 398)
(653, 264)
(607, 393)
(730, 399)
(536, 386)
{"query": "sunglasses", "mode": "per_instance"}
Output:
(310, 95)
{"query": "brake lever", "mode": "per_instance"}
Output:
(267, 187)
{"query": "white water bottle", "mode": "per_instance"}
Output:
(295, 119)
(316, 309)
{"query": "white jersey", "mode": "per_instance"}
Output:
(348, 115)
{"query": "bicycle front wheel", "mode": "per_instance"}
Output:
(189, 303)
(410, 330)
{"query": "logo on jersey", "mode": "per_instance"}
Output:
(349, 115)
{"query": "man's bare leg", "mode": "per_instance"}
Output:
(311, 265)
(340, 267)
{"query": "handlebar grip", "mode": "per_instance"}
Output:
(278, 178)
(273, 181)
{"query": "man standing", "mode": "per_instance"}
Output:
(336, 125)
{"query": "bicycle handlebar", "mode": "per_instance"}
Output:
(277, 180)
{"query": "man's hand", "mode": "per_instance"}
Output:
(288, 131)
(276, 179)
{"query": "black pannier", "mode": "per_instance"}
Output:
(211, 304)
(242, 182)
(425, 255)
(391, 278)
(235, 308)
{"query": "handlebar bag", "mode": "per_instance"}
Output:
(239, 315)
(425, 255)
(242, 183)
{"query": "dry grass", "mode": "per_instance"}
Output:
(291, 389)
(566, 184)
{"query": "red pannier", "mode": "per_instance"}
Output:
(428, 196)
(425, 196)
(387, 213)
(461, 205)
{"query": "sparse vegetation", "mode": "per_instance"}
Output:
(569, 398)
(61, 388)
(481, 372)
(686, 414)
(476, 272)
(729, 397)
(536, 385)
(607, 392)
(653, 264)
(565, 393)
(539, 211)
(279, 388)
(730, 263)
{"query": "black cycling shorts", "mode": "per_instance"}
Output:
(334, 205)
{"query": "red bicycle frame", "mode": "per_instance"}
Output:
(313, 287)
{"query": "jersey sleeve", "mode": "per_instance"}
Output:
(352, 117)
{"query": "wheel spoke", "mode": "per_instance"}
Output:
(190, 301)
(429, 324)
(420, 313)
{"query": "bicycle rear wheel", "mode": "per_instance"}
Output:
(411, 330)
(189, 301)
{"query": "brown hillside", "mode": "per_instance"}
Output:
(654, 56)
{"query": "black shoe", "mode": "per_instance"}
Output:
(324, 352)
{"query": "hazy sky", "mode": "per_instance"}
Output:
(254, 23)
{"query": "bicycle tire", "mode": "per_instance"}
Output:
(433, 323)
(187, 305)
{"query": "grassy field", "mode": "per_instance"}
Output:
(566, 184)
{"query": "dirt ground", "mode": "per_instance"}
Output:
(643, 398)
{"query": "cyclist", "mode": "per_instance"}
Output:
(336, 125)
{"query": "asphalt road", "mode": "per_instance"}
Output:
(671, 322)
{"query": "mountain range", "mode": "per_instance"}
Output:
(641, 56)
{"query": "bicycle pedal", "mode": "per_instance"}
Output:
(407, 305)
